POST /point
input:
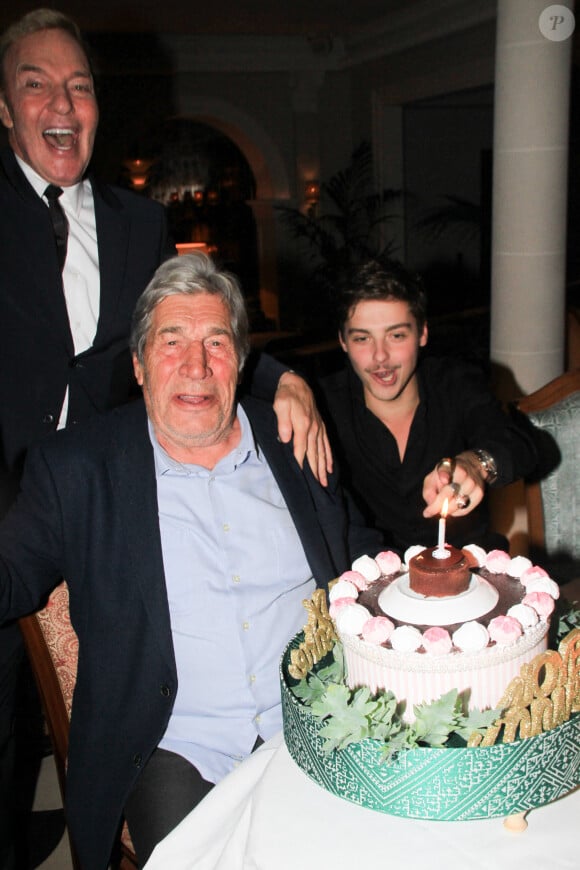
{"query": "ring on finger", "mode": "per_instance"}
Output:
(447, 465)
(455, 488)
(462, 501)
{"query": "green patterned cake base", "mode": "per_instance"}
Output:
(438, 784)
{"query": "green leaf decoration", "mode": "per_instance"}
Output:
(350, 716)
(568, 620)
(477, 721)
(310, 690)
(434, 722)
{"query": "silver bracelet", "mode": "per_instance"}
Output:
(488, 465)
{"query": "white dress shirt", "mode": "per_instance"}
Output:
(81, 278)
(236, 576)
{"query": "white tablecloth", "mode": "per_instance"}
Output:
(268, 815)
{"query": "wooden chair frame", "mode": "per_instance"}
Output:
(57, 717)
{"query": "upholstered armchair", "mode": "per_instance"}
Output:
(52, 647)
(553, 501)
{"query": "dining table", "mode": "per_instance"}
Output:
(268, 815)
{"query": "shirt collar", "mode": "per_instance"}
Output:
(247, 450)
(71, 196)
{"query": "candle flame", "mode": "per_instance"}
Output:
(445, 508)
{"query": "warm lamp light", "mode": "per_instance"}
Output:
(138, 171)
(191, 247)
(312, 192)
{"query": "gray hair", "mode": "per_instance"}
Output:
(191, 274)
(33, 22)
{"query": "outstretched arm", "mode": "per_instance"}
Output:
(299, 418)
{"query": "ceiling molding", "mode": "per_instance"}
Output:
(418, 23)
(252, 53)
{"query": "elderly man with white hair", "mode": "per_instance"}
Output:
(189, 536)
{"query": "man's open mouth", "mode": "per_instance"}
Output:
(62, 138)
(387, 377)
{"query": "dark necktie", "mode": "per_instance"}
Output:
(59, 221)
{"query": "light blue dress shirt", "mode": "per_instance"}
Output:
(236, 576)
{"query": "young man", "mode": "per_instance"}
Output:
(410, 431)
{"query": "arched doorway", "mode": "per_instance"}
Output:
(205, 182)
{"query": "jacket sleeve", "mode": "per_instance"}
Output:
(508, 437)
(31, 542)
(261, 376)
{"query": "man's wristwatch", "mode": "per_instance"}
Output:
(488, 465)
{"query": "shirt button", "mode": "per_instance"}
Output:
(48, 418)
(252, 678)
(165, 691)
(245, 625)
(236, 578)
(257, 719)
(226, 527)
(137, 759)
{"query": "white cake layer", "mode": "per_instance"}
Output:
(418, 678)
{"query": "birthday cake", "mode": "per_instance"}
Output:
(357, 689)
(421, 646)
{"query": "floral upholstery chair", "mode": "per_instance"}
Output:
(52, 647)
(553, 501)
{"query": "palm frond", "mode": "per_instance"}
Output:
(459, 215)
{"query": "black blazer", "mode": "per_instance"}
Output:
(88, 512)
(37, 359)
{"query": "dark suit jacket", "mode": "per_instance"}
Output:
(37, 358)
(88, 512)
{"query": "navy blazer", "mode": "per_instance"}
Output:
(88, 512)
(37, 358)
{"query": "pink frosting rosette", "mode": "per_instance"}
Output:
(377, 630)
(525, 615)
(518, 565)
(338, 604)
(343, 589)
(504, 630)
(542, 603)
(351, 618)
(367, 567)
(388, 562)
(356, 578)
(533, 572)
(436, 641)
(544, 584)
(498, 562)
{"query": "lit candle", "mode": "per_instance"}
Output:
(440, 552)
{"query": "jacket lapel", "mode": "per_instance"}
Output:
(112, 241)
(132, 474)
(40, 285)
(308, 502)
